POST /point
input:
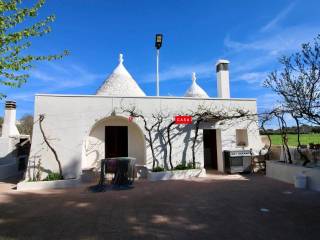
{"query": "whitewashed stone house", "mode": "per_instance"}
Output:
(83, 129)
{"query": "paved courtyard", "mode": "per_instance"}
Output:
(216, 207)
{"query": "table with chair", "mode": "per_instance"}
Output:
(121, 170)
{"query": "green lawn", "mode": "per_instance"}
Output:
(293, 141)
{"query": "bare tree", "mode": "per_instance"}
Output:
(46, 140)
(298, 83)
(160, 119)
(132, 110)
(303, 156)
(168, 129)
(215, 115)
(264, 118)
(280, 115)
(202, 114)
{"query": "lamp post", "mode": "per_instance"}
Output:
(158, 46)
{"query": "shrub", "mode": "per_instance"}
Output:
(183, 166)
(53, 176)
(158, 169)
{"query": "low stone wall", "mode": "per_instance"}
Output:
(287, 172)
(275, 153)
(177, 174)
(42, 185)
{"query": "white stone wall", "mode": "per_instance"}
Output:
(94, 147)
(8, 149)
(9, 127)
(8, 157)
(288, 172)
(71, 120)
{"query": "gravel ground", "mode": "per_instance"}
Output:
(216, 207)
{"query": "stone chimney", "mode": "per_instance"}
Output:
(222, 69)
(9, 127)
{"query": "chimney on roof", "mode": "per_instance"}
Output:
(9, 127)
(222, 69)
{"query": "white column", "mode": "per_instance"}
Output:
(222, 69)
(9, 127)
(158, 90)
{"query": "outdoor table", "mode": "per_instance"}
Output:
(121, 167)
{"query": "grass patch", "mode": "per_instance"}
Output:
(53, 176)
(305, 139)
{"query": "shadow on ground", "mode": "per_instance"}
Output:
(204, 209)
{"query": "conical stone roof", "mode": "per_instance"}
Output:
(120, 83)
(195, 90)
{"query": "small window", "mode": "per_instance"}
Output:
(242, 137)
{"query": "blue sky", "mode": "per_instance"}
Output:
(251, 34)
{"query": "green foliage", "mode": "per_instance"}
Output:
(184, 166)
(15, 38)
(158, 169)
(305, 139)
(178, 167)
(53, 176)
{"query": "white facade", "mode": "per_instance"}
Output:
(75, 124)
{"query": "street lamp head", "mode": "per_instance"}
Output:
(158, 40)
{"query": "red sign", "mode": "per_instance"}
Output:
(183, 119)
(130, 118)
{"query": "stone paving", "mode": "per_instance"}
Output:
(216, 207)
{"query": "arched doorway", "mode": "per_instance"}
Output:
(113, 136)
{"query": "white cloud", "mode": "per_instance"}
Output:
(253, 77)
(286, 40)
(267, 101)
(54, 76)
(204, 69)
(50, 78)
(22, 96)
(280, 16)
(43, 76)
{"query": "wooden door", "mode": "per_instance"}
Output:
(210, 149)
(116, 141)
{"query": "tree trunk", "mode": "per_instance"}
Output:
(170, 144)
(267, 156)
(149, 130)
(303, 156)
(41, 118)
(152, 151)
(285, 138)
(194, 143)
(163, 143)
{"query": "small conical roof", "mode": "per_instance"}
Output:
(120, 83)
(195, 90)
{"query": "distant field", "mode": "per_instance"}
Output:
(293, 140)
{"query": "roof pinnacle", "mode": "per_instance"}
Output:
(120, 58)
(194, 78)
